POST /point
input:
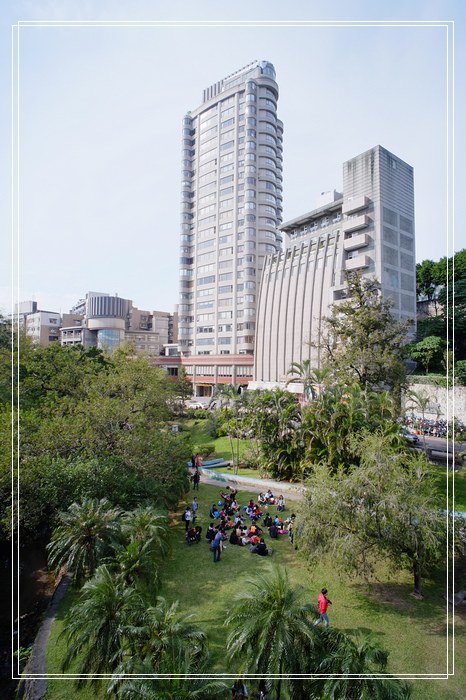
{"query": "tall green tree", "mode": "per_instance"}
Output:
(275, 417)
(97, 627)
(386, 507)
(362, 341)
(427, 350)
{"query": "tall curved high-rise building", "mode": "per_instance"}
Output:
(231, 206)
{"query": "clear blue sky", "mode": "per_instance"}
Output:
(100, 126)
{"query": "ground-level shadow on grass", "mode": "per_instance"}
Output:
(354, 631)
(395, 598)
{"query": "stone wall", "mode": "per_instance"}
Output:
(453, 405)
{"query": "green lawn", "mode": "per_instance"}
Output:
(413, 632)
(198, 431)
(456, 483)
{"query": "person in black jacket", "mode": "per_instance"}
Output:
(262, 548)
(268, 520)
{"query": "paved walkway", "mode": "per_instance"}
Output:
(33, 684)
(292, 491)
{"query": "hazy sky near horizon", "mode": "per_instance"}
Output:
(100, 111)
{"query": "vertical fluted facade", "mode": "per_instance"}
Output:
(369, 227)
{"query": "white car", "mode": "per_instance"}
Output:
(196, 404)
(409, 436)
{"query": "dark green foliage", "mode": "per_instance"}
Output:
(431, 274)
(450, 323)
(90, 425)
(84, 537)
(275, 418)
(386, 507)
(461, 372)
(428, 352)
(363, 342)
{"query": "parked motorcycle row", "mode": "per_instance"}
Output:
(435, 428)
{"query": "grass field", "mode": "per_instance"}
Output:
(456, 485)
(414, 632)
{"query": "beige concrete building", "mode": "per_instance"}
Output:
(368, 227)
(43, 327)
(107, 321)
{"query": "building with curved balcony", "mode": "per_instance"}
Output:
(108, 321)
(231, 205)
(368, 227)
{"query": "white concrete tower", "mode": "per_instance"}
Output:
(231, 205)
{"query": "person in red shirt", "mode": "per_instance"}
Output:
(324, 602)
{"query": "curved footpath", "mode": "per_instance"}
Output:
(293, 491)
(33, 685)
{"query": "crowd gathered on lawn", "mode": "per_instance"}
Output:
(240, 525)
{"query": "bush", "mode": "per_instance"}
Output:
(206, 451)
(252, 456)
(460, 372)
(198, 413)
(214, 424)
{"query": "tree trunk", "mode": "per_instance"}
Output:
(417, 577)
(237, 447)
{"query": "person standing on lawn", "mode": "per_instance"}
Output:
(217, 545)
(324, 602)
(196, 479)
(194, 507)
(187, 518)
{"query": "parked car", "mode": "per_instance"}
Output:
(410, 437)
(195, 404)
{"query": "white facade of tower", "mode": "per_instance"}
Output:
(231, 205)
(369, 228)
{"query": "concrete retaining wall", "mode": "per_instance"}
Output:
(449, 403)
(263, 484)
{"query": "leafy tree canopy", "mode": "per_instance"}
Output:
(362, 341)
(386, 507)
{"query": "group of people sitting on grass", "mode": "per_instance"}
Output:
(230, 517)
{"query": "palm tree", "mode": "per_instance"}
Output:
(186, 678)
(228, 396)
(312, 379)
(148, 526)
(271, 623)
(162, 630)
(357, 664)
(136, 564)
(97, 627)
(86, 534)
(420, 401)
